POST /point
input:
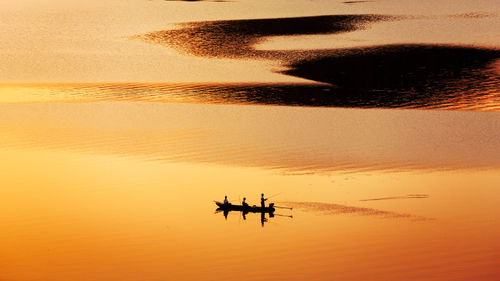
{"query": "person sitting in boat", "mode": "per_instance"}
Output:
(225, 200)
(263, 201)
(244, 203)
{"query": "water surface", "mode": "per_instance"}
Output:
(122, 121)
(124, 190)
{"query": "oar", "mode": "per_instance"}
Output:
(279, 215)
(274, 195)
(279, 207)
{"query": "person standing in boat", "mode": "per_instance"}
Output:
(263, 201)
(225, 200)
(262, 218)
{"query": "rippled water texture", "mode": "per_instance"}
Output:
(389, 75)
(455, 95)
(124, 190)
(317, 140)
(372, 125)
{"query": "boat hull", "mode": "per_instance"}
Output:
(246, 209)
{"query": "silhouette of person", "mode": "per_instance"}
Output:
(225, 200)
(244, 203)
(262, 201)
(263, 218)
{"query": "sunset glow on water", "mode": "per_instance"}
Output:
(372, 125)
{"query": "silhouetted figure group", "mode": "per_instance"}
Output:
(263, 200)
(245, 204)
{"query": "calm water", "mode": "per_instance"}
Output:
(376, 121)
(124, 190)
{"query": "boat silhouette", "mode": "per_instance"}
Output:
(246, 209)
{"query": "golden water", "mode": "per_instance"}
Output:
(113, 149)
(124, 190)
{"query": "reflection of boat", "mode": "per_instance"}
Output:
(246, 209)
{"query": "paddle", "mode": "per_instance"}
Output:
(279, 207)
(279, 215)
(274, 195)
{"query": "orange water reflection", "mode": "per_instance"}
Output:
(79, 216)
(116, 181)
(298, 140)
(123, 191)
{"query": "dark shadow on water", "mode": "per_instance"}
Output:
(245, 212)
(263, 215)
(458, 95)
(237, 38)
(337, 209)
(418, 72)
(330, 209)
(389, 76)
(356, 2)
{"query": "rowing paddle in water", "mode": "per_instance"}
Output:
(280, 215)
(279, 207)
(274, 195)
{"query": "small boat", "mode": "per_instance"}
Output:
(246, 209)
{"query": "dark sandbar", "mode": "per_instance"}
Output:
(237, 38)
(412, 69)
(410, 76)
